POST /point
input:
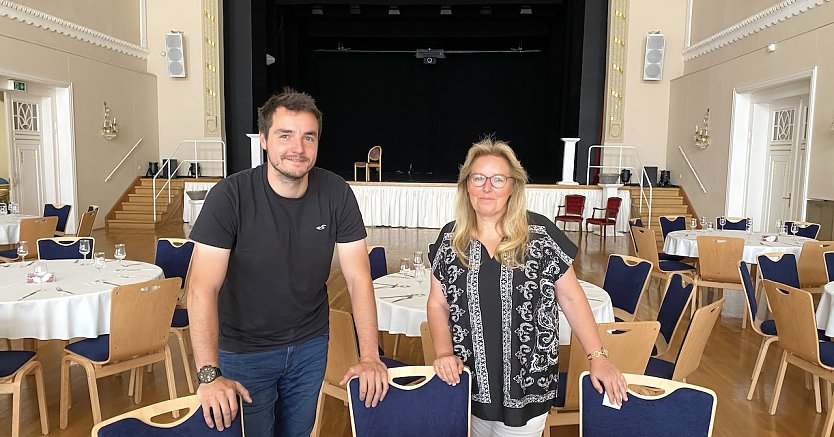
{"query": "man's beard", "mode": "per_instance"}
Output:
(288, 175)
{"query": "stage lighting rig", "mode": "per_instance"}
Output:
(429, 56)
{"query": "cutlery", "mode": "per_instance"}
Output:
(394, 297)
(108, 283)
(28, 264)
(389, 286)
(61, 290)
(24, 297)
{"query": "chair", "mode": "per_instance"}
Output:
(14, 367)
(635, 222)
(732, 224)
(793, 311)
(765, 328)
(804, 229)
(379, 265)
(574, 207)
(428, 408)
(646, 243)
(655, 407)
(342, 353)
(140, 422)
(173, 256)
(62, 212)
(85, 226)
(811, 265)
(629, 345)
(829, 265)
(63, 247)
(32, 230)
(671, 223)
(140, 318)
(779, 267)
(428, 344)
(678, 296)
(626, 281)
(374, 160)
(717, 267)
(609, 215)
(692, 348)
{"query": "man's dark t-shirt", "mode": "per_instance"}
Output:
(275, 293)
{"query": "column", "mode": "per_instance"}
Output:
(255, 151)
(568, 158)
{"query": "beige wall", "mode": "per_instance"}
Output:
(118, 18)
(712, 16)
(803, 42)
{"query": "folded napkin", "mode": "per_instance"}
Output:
(770, 238)
(34, 279)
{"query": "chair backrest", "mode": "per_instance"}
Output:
(636, 222)
(749, 289)
(678, 296)
(612, 207)
(804, 229)
(793, 312)
(379, 265)
(718, 257)
(140, 317)
(85, 226)
(829, 265)
(58, 210)
(427, 408)
(375, 154)
(646, 244)
(173, 256)
(629, 347)
(342, 351)
(33, 229)
(626, 281)
(811, 264)
(695, 340)
(671, 223)
(655, 407)
(574, 204)
(63, 247)
(140, 422)
(779, 267)
(428, 344)
(732, 224)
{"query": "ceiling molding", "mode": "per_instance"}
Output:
(773, 15)
(37, 18)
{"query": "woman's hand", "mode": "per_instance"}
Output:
(448, 367)
(604, 374)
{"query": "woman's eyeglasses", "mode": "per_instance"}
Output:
(497, 181)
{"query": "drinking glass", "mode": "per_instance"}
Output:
(779, 227)
(41, 272)
(794, 228)
(404, 267)
(84, 248)
(693, 224)
(99, 261)
(723, 221)
(749, 227)
(703, 222)
(419, 273)
(120, 253)
(22, 250)
(14, 208)
(709, 226)
(418, 258)
(3, 209)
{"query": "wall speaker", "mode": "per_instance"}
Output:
(653, 63)
(175, 52)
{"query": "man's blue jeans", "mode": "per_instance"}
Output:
(284, 385)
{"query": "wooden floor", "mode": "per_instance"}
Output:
(726, 367)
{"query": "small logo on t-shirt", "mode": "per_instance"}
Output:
(320, 227)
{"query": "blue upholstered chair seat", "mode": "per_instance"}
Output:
(660, 368)
(827, 353)
(11, 361)
(769, 328)
(11, 253)
(194, 426)
(180, 319)
(674, 266)
(561, 390)
(95, 349)
(666, 257)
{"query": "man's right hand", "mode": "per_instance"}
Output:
(219, 399)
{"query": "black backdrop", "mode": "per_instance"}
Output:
(426, 116)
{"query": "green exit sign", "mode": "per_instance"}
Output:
(18, 85)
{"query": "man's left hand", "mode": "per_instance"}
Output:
(373, 380)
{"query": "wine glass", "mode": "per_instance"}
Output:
(723, 221)
(419, 273)
(709, 226)
(99, 261)
(779, 227)
(794, 228)
(41, 272)
(693, 224)
(120, 253)
(404, 267)
(749, 226)
(3, 209)
(418, 258)
(22, 250)
(84, 248)
(703, 222)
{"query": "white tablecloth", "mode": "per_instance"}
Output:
(401, 305)
(191, 208)
(10, 227)
(50, 314)
(825, 310)
(685, 243)
(432, 206)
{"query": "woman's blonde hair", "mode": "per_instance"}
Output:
(511, 249)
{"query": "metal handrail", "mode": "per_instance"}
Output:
(167, 163)
(695, 173)
(110, 176)
(644, 176)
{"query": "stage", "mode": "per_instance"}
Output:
(432, 205)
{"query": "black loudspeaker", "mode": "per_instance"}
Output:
(653, 62)
(153, 167)
(194, 170)
(651, 173)
(169, 168)
(665, 178)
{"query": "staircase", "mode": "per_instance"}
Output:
(666, 201)
(134, 210)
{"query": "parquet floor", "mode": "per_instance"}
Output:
(726, 366)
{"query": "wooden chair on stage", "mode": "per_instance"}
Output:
(374, 160)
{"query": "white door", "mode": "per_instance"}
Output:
(785, 162)
(27, 153)
(777, 191)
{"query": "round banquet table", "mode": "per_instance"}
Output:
(10, 227)
(54, 314)
(825, 310)
(401, 305)
(685, 243)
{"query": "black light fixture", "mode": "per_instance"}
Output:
(486, 10)
(526, 10)
(354, 10)
(393, 10)
(445, 10)
(317, 10)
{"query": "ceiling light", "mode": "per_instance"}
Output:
(317, 10)
(526, 10)
(393, 10)
(445, 10)
(354, 10)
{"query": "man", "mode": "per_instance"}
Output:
(265, 241)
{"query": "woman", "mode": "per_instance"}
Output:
(499, 272)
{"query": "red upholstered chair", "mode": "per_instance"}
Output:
(609, 215)
(573, 208)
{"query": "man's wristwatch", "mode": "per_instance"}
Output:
(207, 374)
(600, 353)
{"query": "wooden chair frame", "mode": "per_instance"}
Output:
(85, 226)
(663, 347)
(646, 243)
(342, 353)
(718, 259)
(609, 217)
(182, 334)
(12, 385)
(32, 230)
(372, 162)
(148, 413)
(428, 344)
(811, 265)
(140, 319)
(692, 349)
(767, 339)
(633, 261)
(568, 216)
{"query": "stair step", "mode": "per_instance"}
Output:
(129, 224)
(656, 192)
(178, 182)
(147, 207)
(175, 191)
(147, 198)
(139, 216)
(659, 201)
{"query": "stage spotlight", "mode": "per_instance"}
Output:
(393, 10)
(354, 10)
(486, 10)
(317, 10)
(445, 10)
(526, 10)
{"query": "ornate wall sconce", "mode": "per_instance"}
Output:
(109, 129)
(702, 133)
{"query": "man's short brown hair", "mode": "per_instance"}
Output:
(290, 99)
